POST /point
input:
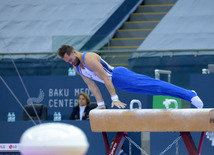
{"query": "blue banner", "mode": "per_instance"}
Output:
(59, 93)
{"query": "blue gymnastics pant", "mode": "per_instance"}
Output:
(130, 81)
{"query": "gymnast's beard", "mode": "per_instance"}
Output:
(76, 61)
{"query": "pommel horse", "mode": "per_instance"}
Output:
(152, 120)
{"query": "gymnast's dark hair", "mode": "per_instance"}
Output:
(65, 49)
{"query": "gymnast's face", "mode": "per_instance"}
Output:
(82, 100)
(72, 59)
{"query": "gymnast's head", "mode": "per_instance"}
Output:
(69, 55)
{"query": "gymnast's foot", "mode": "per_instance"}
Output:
(196, 101)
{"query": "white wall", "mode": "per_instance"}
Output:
(188, 25)
(32, 26)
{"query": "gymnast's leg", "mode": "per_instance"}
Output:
(127, 80)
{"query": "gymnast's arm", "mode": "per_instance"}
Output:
(92, 60)
(93, 88)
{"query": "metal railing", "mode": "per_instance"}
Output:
(196, 51)
(158, 72)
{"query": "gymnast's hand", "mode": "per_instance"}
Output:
(101, 107)
(118, 104)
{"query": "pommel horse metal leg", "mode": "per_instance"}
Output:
(190, 145)
(117, 144)
(196, 120)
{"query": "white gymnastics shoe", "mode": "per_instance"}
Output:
(196, 101)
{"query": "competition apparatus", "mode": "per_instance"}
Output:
(54, 139)
(123, 121)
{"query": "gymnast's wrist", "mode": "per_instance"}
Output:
(100, 103)
(114, 98)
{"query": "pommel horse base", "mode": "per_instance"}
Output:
(152, 120)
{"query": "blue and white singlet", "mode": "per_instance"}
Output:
(90, 74)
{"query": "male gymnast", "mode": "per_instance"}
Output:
(90, 66)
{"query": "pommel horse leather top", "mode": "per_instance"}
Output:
(152, 120)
